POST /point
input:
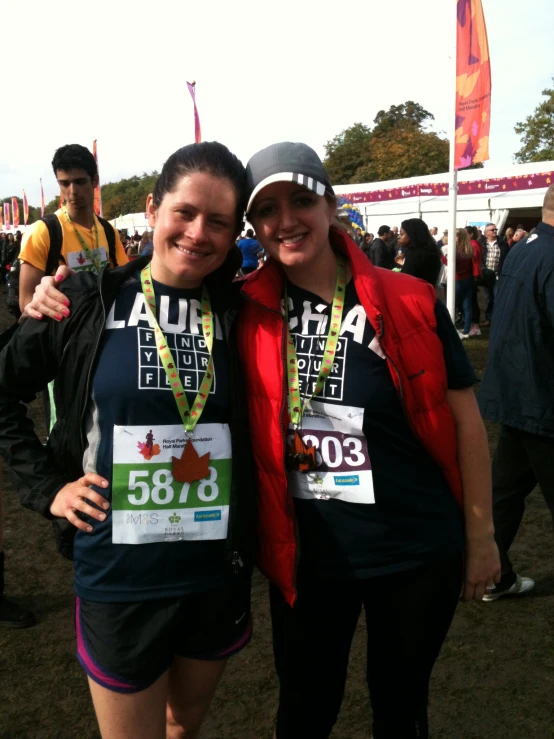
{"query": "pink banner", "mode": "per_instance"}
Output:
(41, 200)
(197, 132)
(474, 187)
(7, 215)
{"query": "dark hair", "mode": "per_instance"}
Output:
(209, 157)
(472, 231)
(74, 156)
(250, 233)
(418, 232)
(383, 230)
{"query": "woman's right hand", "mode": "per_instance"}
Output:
(77, 496)
(47, 301)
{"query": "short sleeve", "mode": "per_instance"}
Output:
(35, 245)
(120, 256)
(459, 371)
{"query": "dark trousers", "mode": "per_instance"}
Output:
(464, 292)
(488, 290)
(521, 462)
(407, 616)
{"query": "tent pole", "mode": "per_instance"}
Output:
(452, 190)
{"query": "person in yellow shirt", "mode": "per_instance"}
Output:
(85, 243)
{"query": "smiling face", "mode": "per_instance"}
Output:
(292, 223)
(194, 228)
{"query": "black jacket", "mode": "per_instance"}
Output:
(518, 386)
(422, 262)
(381, 254)
(41, 351)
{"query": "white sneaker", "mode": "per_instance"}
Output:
(463, 336)
(521, 586)
(475, 330)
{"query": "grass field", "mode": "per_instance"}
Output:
(494, 678)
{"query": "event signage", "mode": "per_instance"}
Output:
(473, 85)
(470, 187)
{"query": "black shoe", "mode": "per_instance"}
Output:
(14, 616)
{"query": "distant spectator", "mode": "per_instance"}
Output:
(381, 253)
(146, 244)
(422, 257)
(358, 236)
(477, 274)
(464, 279)
(434, 232)
(518, 236)
(509, 236)
(494, 254)
(250, 248)
(136, 236)
(365, 246)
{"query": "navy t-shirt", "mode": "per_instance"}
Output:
(132, 402)
(396, 511)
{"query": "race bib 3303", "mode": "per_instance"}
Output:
(148, 505)
(343, 467)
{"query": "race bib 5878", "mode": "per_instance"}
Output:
(148, 505)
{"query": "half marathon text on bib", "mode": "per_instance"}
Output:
(343, 468)
(148, 505)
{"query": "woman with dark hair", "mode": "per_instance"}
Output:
(421, 251)
(141, 471)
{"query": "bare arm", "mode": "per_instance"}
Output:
(29, 278)
(482, 560)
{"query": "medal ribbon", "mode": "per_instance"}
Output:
(189, 415)
(94, 258)
(296, 404)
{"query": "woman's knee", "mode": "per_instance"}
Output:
(182, 724)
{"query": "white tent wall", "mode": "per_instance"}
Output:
(496, 207)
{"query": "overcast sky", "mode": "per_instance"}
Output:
(300, 70)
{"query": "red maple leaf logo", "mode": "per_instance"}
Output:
(190, 466)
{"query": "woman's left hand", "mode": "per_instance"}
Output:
(482, 566)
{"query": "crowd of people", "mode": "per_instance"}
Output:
(416, 250)
(203, 424)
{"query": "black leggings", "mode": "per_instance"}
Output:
(407, 615)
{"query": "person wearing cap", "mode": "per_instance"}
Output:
(363, 486)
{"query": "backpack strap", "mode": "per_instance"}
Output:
(56, 240)
(110, 237)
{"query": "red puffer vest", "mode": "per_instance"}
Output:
(401, 310)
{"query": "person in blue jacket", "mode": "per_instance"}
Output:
(250, 248)
(518, 389)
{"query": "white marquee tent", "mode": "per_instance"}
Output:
(491, 204)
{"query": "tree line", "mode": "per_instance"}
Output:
(397, 145)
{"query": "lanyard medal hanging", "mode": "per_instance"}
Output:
(189, 467)
(93, 257)
(300, 456)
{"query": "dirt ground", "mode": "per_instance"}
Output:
(493, 680)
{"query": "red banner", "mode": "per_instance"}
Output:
(473, 85)
(97, 193)
(15, 211)
(197, 132)
(41, 200)
(25, 209)
(7, 215)
(471, 187)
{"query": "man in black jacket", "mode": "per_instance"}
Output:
(381, 253)
(518, 388)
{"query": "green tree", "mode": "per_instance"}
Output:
(346, 153)
(408, 114)
(128, 195)
(537, 132)
(404, 151)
